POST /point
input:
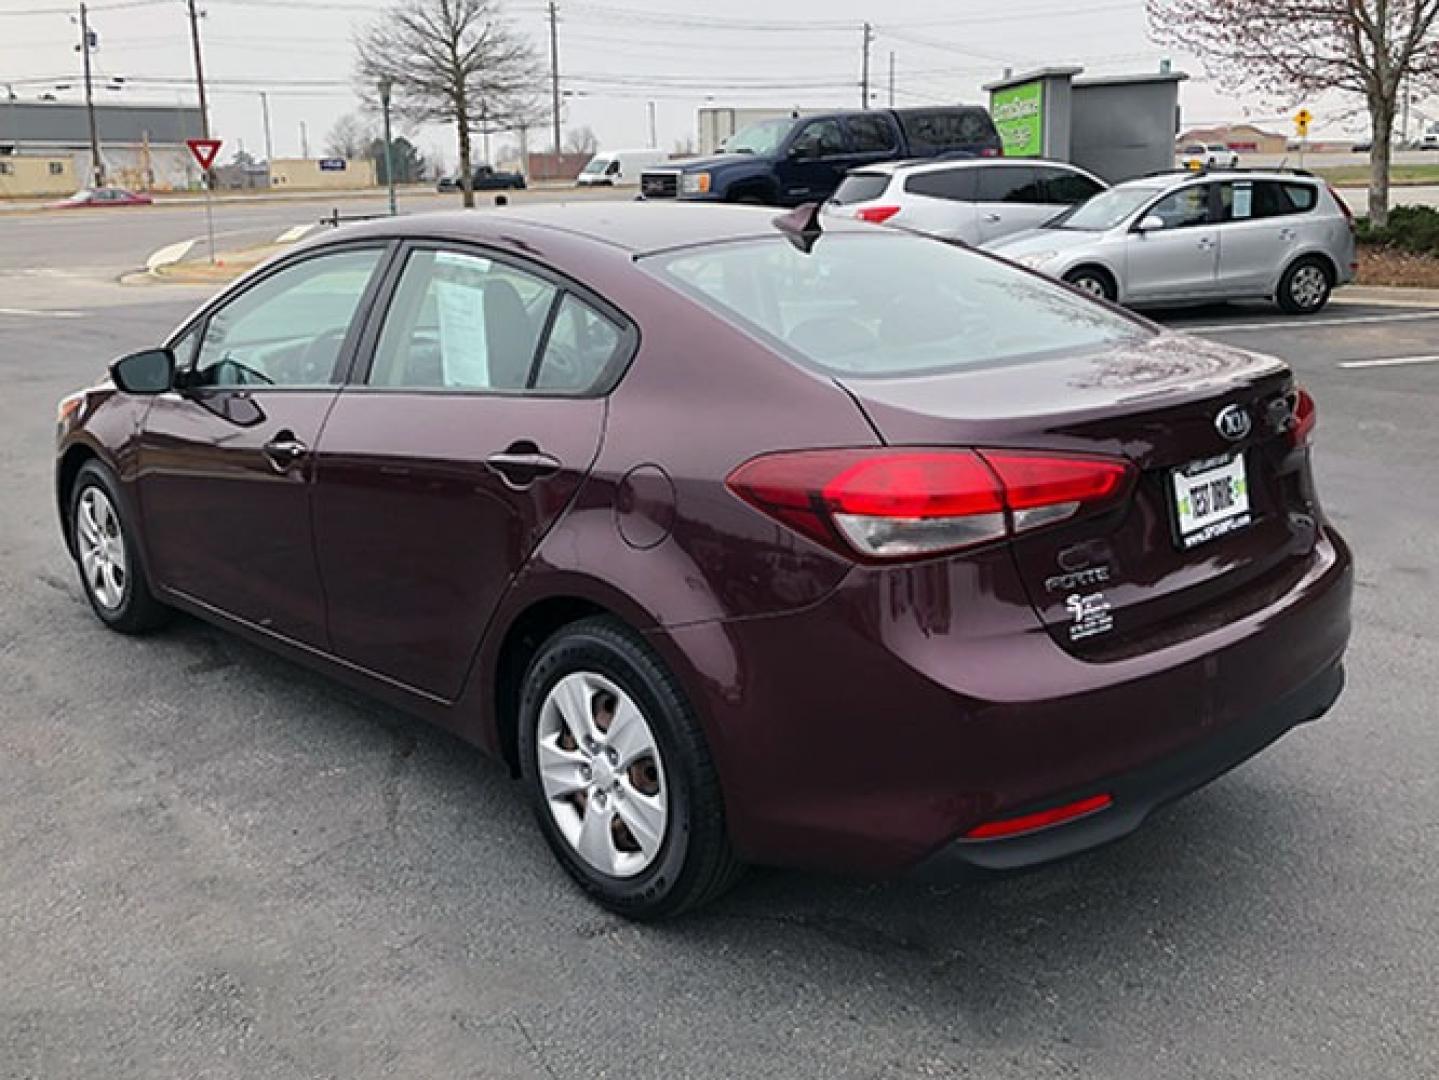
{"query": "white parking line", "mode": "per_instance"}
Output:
(1305, 324)
(1391, 361)
(32, 313)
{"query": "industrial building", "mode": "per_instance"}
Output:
(47, 146)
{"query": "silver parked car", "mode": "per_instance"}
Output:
(1187, 238)
(972, 200)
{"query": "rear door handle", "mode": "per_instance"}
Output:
(521, 464)
(284, 450)
(993, 219)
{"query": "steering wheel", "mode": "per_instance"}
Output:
(316, 364)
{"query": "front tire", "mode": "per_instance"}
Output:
(1093, 282)
(108, 555)
(619, 774)
(1306, 287)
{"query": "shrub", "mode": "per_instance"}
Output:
(1410, 228)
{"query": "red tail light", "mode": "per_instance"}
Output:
(877, 214)
(989, 151)
(993, 830)
(1344, 206)
(1305, 419)
(883, 505)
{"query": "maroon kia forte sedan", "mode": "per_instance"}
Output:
(739, 541)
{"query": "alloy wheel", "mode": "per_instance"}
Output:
(602, 775)
(1091, 285)
(1308, 286)
(102, 548)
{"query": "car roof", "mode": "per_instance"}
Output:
(918, 166)
(635, 226)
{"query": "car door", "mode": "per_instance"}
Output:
(471, 427)
(814, 162)
(1009, 199)
(1258, 233)
(1179, 261)
(225, 462)
(941, 201)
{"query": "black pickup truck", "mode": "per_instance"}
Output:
(483, 178)
(799, 159)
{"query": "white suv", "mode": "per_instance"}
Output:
(1186, 238)
(972, 200)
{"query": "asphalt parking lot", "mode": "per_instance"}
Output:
(215, 864)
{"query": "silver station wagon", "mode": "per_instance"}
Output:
(1195, 237)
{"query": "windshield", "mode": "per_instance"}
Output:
(889, 304)
(1105, 210)
(595, 167)
(761, 138)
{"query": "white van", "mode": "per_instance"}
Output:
(619, 168)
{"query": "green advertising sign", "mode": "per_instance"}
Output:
(1018, 113)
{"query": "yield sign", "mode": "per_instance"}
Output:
(204, 150)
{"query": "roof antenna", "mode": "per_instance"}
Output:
(801, 226)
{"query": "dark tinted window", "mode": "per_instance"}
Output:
(1247, 200)
(1065, 188)
(861, 187)
(871, 134)
(932, 130)
(581, 346)
(818, 138)
(891, 304)
(955, 184)
(1009, 183)
(1302, 197)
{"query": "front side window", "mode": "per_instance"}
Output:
(1184, 209)
(287, 330)
(872, 134)
(889, 304)
(461, 322)
(817, 139)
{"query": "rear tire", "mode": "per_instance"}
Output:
(619, 774)
(1305, 287)
(1094, 282)
(108, 555)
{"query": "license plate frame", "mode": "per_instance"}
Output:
(1198, 482)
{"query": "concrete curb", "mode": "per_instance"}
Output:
(1387, 295)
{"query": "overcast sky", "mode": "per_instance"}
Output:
(615, 57)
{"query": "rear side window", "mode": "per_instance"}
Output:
(1065, 188)
(581, 346)
(1009, 183)
(861, 187)
(1248, 200)
(871, 134)
(889, 304)
(957, 185)
(932, 131)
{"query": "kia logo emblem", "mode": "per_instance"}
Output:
(1233, 422)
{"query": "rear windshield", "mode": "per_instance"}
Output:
(860, 187)
(889, 304)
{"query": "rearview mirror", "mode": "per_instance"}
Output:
(1151, 223)
(149, 372)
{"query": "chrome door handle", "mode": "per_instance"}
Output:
(1206, 243)
(993, 219)
(1287, 234)
(521, 464)
(284, 450)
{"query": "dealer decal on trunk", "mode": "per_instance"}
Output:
(1090, 613)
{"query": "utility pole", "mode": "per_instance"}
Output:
(265, 112)
(97, 167)
(654, 141)
(891, 78)
(14, 120)
(555, 75)
(385, 87)
(304, 140)
(199, 70)
(864, 78)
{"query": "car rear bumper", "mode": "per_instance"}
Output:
(879, 726)
(1135, 795)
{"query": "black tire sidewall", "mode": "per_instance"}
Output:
(1286, 286)
(92, 475)
(1107, 289)
(626, 663)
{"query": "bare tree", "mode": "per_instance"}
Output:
(349, 137)
(581, 140)
(1365, 47)
(450, 62)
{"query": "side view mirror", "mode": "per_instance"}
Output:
(1151, 223)
(803, 153)
(149, 372)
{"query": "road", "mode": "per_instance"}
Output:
(213, 863)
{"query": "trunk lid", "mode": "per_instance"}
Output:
(1123, 580)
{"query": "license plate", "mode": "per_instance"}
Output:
(1211, 498)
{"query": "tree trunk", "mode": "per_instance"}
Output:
(467, 179)
(1381, 117)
